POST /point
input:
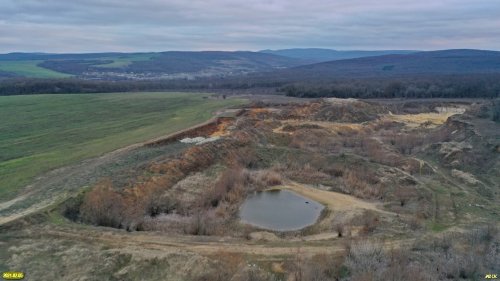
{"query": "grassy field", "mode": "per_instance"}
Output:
(30, 68)
(43, 132)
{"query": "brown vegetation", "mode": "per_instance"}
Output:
(103, 206)
(456, 256)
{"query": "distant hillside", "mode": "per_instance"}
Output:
(246, 67)
(142, 66)
(49, 56)
(213, 61)
(421, 63)
(322, 55)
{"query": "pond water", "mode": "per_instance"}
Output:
(280, 210)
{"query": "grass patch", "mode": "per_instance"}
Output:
(437, 226)
(43, 132)
(30, 68)
(57, 218)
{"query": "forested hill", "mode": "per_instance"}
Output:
(422, 63)
(315, 55)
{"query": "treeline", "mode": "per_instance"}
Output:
(70, 86)
(496, 111)
(456, 86)
(470, 86)
(24, 86)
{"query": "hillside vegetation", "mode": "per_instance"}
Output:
(322, 55)
(433, 62)
(141, 66)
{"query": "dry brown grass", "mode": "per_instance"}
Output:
(266, 178)
(362, 183)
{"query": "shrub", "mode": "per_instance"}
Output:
(163, 204)
(362, 182)
(103, 206)
(71, 207)
(340, 228)
(267, 178)
(369, 221)
(231, 179)
(366, 260)
(404, 194)
(203, 224)
(323, 267)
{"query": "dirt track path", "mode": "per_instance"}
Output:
(141, 241)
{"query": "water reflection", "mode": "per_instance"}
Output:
(280, 210)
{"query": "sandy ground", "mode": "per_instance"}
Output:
(415, 120)
(333, 200)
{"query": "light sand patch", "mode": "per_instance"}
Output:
(333, 200)
(199, 140)
(317, 237)
(341, 101)
(30, 210)
(432, 119)
(263, 236)
(7, 204)
(455, 110)
(465, 177)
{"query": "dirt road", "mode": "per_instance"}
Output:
(205, 245)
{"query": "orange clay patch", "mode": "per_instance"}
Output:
(222, 127)
(256, 112)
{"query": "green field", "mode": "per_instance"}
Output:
(42, 132)
(30, 68)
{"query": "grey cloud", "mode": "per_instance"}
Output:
(157, 25)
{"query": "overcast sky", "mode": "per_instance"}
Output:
(161, 25)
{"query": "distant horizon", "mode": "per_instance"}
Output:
(259, 50)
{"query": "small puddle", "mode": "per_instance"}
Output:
(280, 210)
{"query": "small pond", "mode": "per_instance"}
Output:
(280, 210)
